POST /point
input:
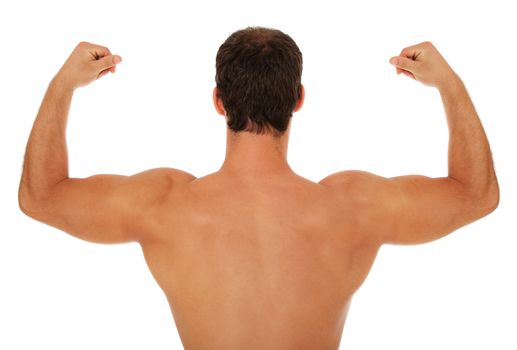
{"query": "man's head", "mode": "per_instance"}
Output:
(258, 77)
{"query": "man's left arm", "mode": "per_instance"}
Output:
(100, 208)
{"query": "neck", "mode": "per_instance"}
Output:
(256, 155)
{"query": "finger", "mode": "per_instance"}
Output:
(409, 74)
(96, 51)
(100, 51)
(103, 73)
(108, 62)
(404, 63)
(413, 51)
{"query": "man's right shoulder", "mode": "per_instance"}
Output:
(361, 189)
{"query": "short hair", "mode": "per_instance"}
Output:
(258, 78)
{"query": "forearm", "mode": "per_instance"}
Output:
(46, 155)
(469, 159)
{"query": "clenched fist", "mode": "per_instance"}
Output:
(424, 63)
(87, 63)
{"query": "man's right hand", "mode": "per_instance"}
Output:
(87, 63)
(424, 63)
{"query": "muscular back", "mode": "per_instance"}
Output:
(260, 262)
(257, 263)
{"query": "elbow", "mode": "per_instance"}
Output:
(28, 209)
(480, 200)
(488, 201)
(27, 204)
(23, 201)
(493, 198)
(22, 206)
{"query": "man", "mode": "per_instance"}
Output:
(255, 256)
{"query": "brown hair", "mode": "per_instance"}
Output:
(258, 77)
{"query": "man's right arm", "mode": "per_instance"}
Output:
(417, 209)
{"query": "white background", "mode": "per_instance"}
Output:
(58, 292)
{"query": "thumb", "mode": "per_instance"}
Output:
(107, 62)
(404, 63)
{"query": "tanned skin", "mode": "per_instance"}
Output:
(255, 256)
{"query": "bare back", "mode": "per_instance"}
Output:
(257, 263)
